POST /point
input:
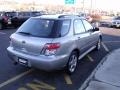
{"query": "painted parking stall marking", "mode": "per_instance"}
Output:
(40, 85)
(15, 78)
(105, 47)
(67, 79)
(90, 58)
(37, 85)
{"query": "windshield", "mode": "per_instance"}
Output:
(43, 27)
(10, 14)
(117, 18)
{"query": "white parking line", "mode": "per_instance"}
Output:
(2, 33)
(90, 58)
(15, 78)
(105, 47)
(67, 79)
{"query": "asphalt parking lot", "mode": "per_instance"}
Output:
(22, 78)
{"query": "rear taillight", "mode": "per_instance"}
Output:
(50, 48)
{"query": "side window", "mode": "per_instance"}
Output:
(65, 27)
(87, 25)
(78, 27)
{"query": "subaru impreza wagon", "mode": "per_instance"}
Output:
(52, 42)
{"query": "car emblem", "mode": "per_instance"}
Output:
(23, 42)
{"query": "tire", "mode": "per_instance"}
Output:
(72, 63)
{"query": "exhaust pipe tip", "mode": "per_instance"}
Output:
(15, 63)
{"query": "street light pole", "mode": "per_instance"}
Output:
(83, 6)
(91, 6)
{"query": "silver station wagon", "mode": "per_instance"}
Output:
(52, 42)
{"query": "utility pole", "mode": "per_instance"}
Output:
(83, 7)
(91, 5)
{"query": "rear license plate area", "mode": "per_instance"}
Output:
(23, 61)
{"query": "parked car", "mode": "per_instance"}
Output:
(52, 42)
(5, 19)
(21, 17)
(115, 22)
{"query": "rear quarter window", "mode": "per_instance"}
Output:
(65, 27)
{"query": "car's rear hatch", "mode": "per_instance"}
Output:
(35, 33)
(29, 45)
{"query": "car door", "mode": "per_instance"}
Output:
(81, 36)
(94, 35)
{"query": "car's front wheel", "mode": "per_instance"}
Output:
(72, 62)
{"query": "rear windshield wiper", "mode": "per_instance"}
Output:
(26, 33)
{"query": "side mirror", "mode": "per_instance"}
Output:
(95, 29)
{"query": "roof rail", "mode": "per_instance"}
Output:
(63, 16)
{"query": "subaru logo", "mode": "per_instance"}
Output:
(23, 41)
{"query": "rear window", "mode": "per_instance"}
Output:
(35, 14)
(46, 28)
(117, 18)
(24, 14)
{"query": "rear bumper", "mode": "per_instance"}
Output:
(46, 63)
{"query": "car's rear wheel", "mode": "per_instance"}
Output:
(72, 62)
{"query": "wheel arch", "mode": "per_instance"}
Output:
(76, 50)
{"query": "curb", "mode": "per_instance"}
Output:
(86, 82)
